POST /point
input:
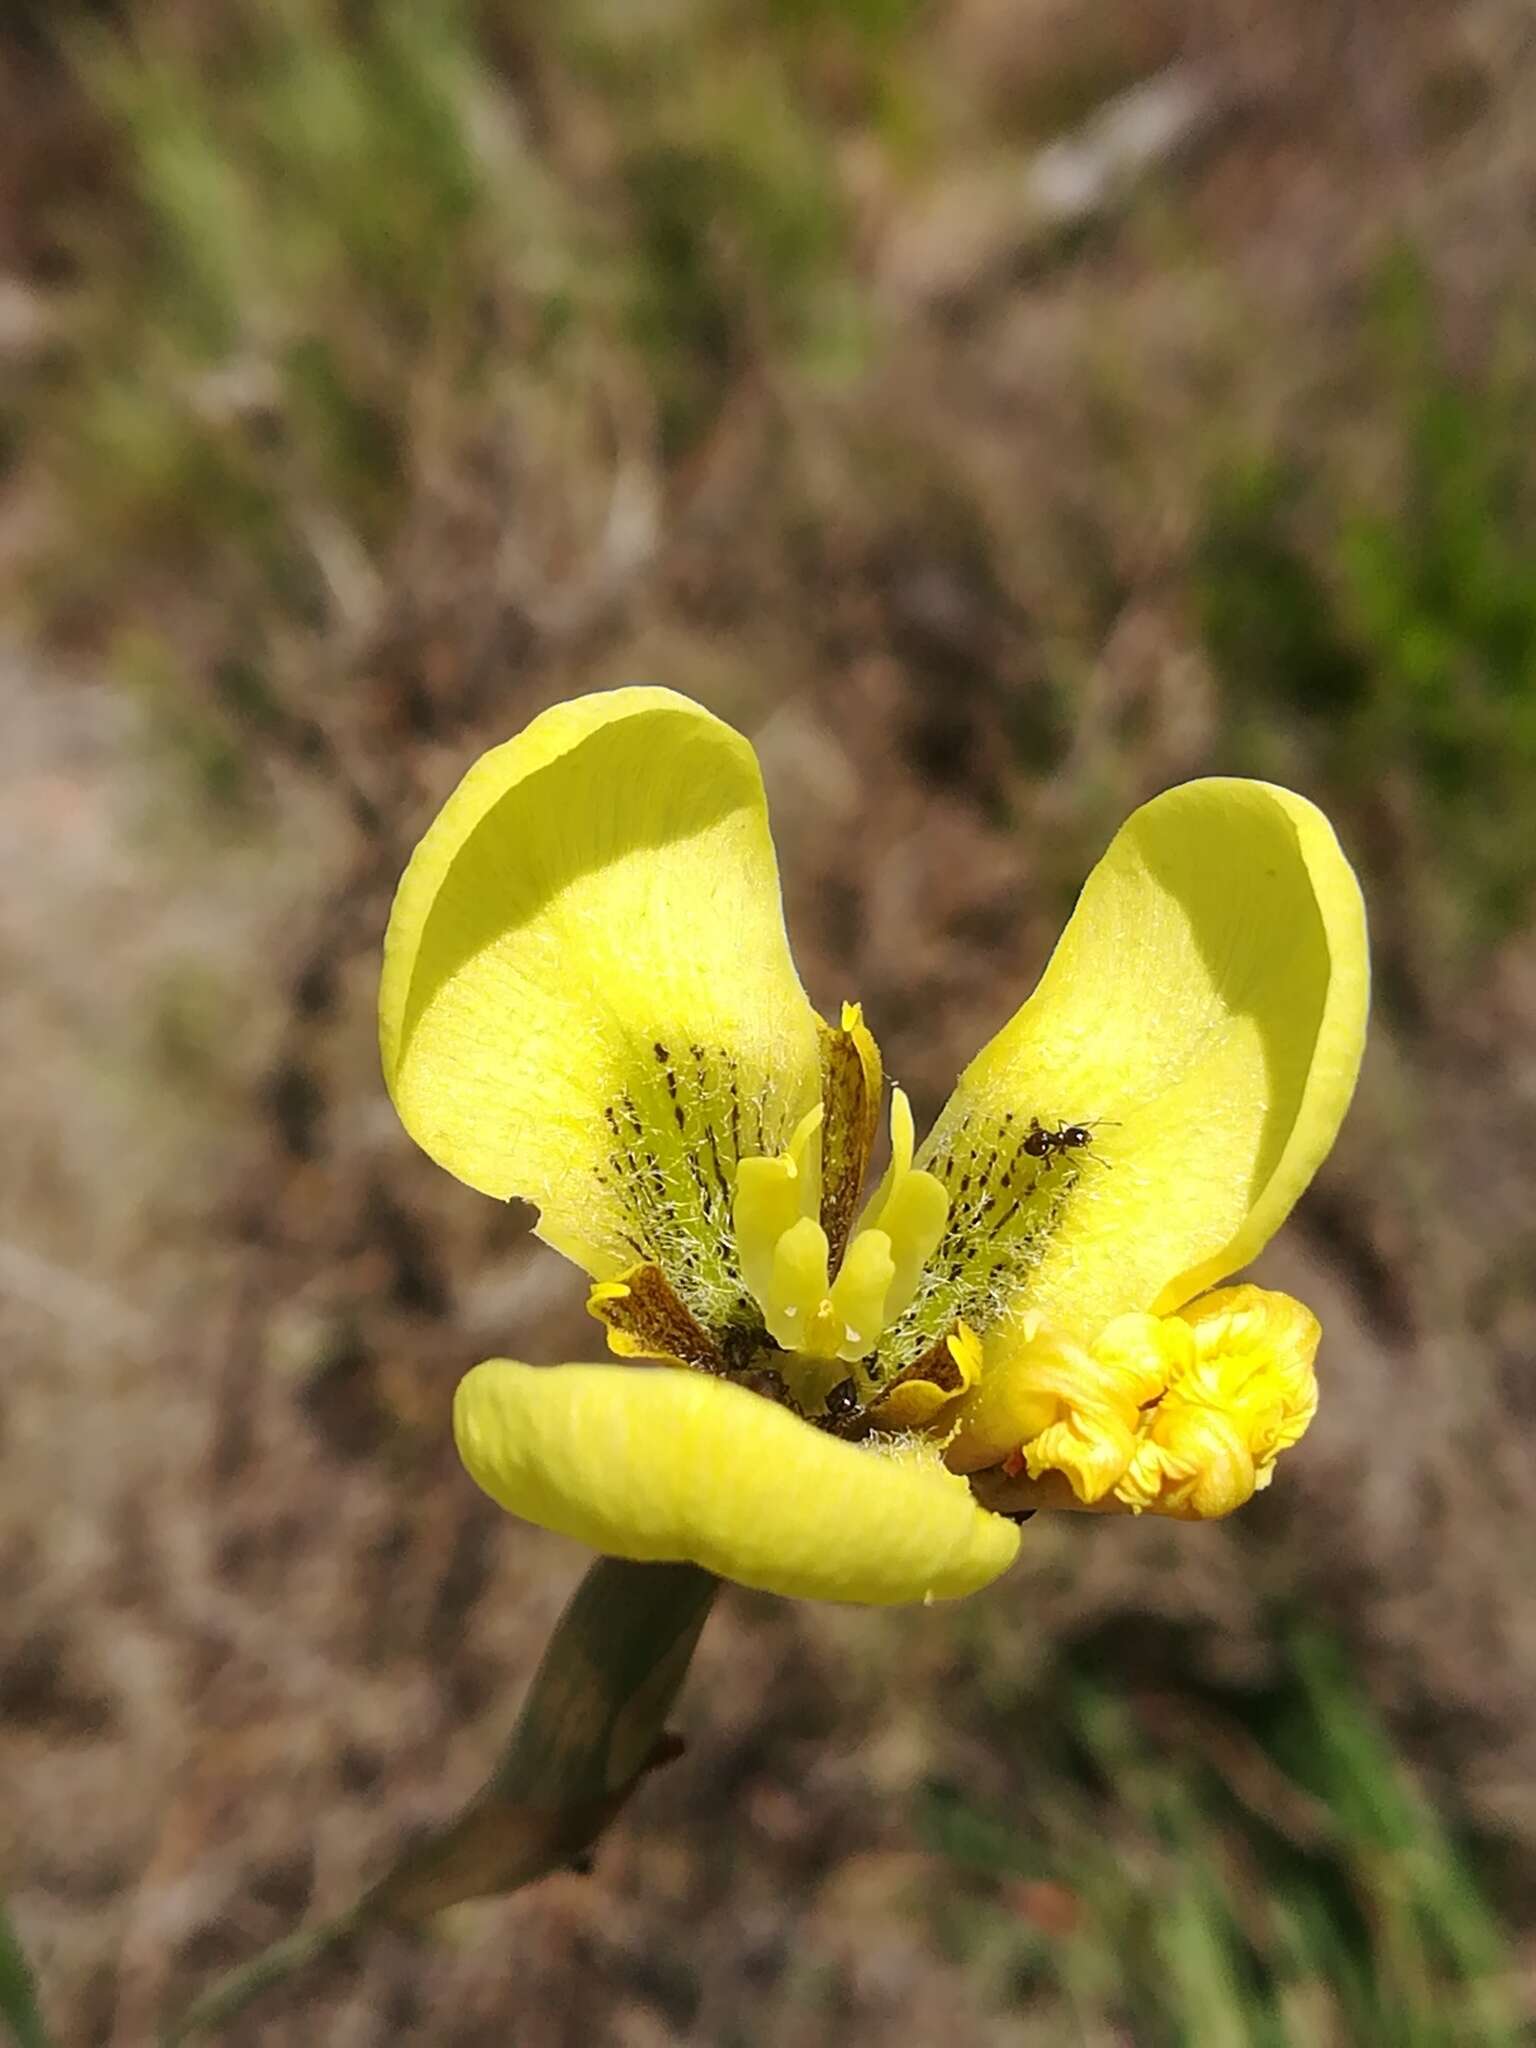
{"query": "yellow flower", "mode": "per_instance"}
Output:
(588, 1000)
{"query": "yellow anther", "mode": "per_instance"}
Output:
(772, 1196)
(1246, 1393)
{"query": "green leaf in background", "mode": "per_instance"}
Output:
(1254, 1870)
(18, 1992)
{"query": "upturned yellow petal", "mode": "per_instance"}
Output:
(1202, 1020)
(588, 997)
(661, 1464)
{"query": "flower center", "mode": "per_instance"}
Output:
(817, 1316)
(905, 1318)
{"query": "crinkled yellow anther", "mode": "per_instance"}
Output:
(783, 1250)
(1181, 1415)
(1063, 1406)
(1247, 1393)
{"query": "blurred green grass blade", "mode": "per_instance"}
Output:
(18, 1991)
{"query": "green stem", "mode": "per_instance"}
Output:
(18, 1991)
(592, 1725)
(235, 1990)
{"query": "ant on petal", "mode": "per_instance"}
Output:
(1054, 1141)
(1046, 1142)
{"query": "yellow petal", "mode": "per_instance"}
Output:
(1194, 1465)
(1203, 1016)
(1254, 1352)
(660, 1464)
(1247, 1392)
(588, 997)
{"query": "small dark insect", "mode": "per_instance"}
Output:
(843, 1401)
(1043, 1142)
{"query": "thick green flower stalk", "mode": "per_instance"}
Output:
(588, 1000)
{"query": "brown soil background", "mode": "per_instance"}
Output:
(254, 1623)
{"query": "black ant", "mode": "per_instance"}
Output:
(844, 1409)
(1045, 1143)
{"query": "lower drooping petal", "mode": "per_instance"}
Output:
(659, 1464)
(588, 998)
(1192, 1045)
